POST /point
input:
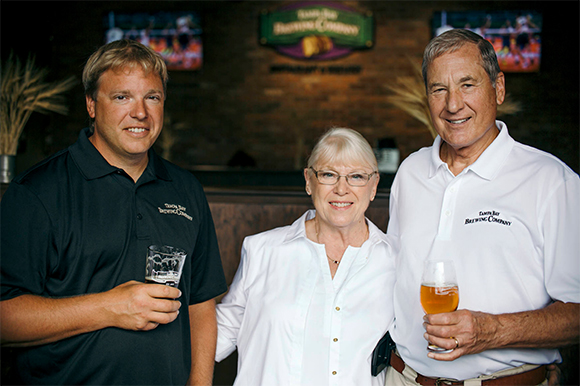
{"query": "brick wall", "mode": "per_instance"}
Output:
(236, 101)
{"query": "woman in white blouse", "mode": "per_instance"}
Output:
(310, 301)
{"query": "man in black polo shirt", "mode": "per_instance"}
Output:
(75, 231)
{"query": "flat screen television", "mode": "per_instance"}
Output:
(516, 35)
(174, 35)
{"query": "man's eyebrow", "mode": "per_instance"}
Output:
(436, 84)
(128, 92)
(467, 78)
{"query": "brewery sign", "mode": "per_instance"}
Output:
(316, 30)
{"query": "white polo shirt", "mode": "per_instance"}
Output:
(295, 325)
(510, 221)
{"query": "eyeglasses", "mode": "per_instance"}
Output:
(328, 177)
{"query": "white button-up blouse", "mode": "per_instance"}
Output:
(292, 323)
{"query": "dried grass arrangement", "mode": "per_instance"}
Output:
(24, 91)
(409, 95)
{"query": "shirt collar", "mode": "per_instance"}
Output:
(88, 159)
(436, 162)
(493, 158)
(93, 165)
(157, 165)
(298, 229)
(489, 162)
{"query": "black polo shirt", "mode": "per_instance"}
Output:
(76, 225)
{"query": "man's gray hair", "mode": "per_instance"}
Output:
(452, 40)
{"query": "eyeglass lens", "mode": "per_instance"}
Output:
(354, 179)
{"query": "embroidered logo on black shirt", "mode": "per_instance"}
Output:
(490, 216)
(175, 209)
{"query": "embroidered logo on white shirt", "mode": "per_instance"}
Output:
(490, 216)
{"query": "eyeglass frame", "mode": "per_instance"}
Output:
(345, 177)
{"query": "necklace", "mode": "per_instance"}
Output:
(337, 262)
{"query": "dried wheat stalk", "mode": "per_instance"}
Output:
(409, 96)
(24, 91)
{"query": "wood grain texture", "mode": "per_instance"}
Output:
(244, 213)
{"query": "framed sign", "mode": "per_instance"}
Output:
(316, 30)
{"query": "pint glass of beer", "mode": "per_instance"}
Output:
(439, 290)
(164, 264)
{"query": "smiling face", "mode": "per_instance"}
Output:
(341, 205)
(128, 115)
(462, 100)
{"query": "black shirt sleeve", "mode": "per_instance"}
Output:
(26, 239)
(208, 280)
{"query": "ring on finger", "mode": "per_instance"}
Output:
(456, 342)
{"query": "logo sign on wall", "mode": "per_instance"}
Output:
(316, 30)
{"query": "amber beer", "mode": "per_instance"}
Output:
(439, 299)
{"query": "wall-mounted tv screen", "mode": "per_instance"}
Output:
(174, 35)
(515, 35)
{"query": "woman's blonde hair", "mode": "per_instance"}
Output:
(343, 146)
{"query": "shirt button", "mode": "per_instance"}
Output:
(335, 340)
(337, 308)
(447, 213)
(334, 373)
(139, 216)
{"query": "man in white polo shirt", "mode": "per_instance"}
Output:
(505, 213)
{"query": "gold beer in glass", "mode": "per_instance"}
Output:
(439, 291)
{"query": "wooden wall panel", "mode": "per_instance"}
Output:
(241, 214)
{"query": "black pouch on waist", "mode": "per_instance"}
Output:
(382, 354)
